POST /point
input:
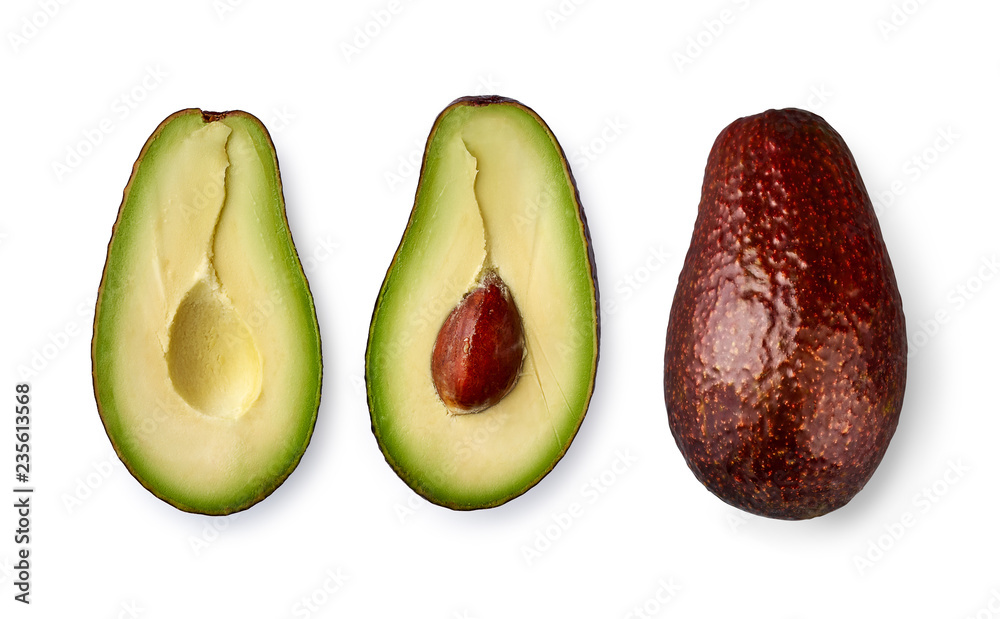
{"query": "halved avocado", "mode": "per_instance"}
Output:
(206, 350)
(493, 280)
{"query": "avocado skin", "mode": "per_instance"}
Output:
(785, 360)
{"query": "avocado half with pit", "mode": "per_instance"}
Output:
(483, 345)
(206, 351)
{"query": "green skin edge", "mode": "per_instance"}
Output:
(401, 471)
(261, 138)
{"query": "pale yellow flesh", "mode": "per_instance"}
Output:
(503, 207)
(210, 370)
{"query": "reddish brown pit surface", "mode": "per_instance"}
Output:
(479, 350)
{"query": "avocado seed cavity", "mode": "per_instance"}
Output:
(212, 359)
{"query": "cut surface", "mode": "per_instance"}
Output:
(495, 193)
(206, 347)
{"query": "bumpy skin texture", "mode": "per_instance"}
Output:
(785, 361)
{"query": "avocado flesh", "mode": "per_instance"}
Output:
(206, 347)
(785, 359)
(496, 193)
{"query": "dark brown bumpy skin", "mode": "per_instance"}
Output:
(785, 360)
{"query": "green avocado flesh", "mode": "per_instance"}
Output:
(206, 350)
(495, 194)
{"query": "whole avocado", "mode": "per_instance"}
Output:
(785, 360)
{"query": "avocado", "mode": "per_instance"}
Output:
(483, 344)
(206, 348)
(785, 359)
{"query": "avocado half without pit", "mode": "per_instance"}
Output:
(785, 359)
(206, 349)
(483, 344)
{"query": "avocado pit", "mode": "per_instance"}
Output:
(479, 350)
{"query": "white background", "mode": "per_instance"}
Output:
(916, 102)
